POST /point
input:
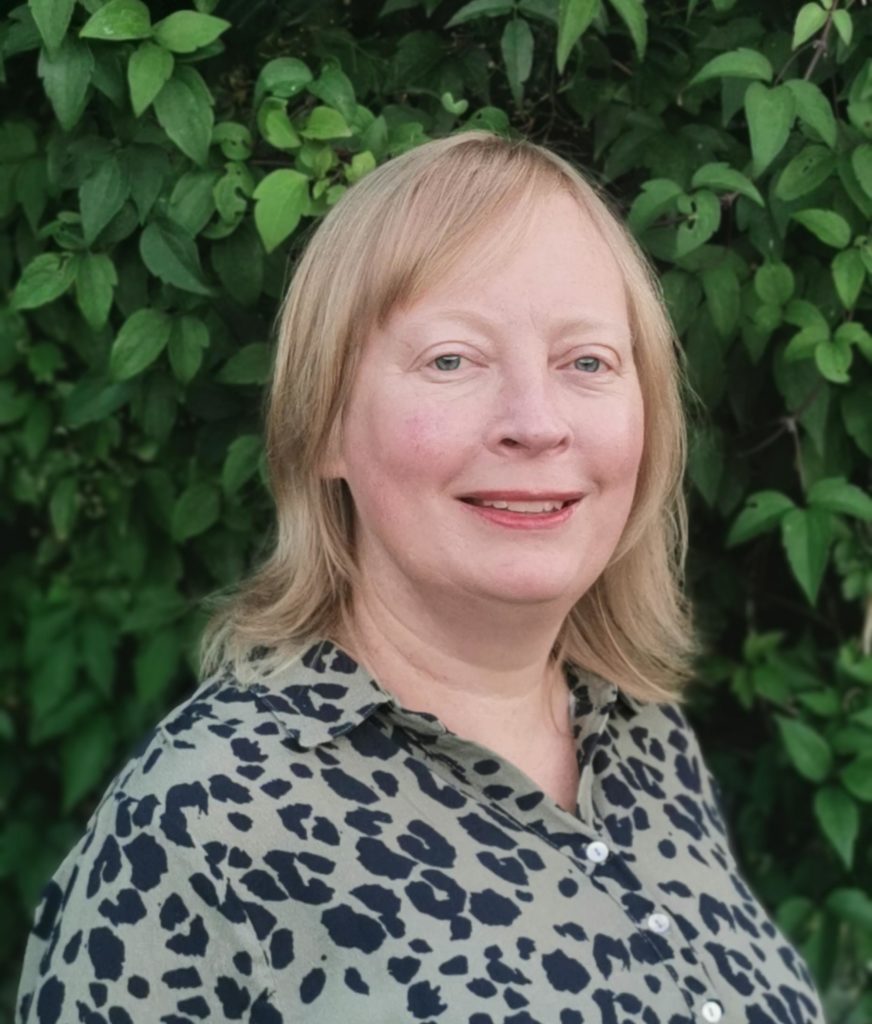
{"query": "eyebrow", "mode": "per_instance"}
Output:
(558, 326)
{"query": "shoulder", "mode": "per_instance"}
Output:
(129, 915)
(661, 737)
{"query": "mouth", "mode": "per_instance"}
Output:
(531, 505)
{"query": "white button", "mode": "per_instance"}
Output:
(597, 851)
(711, 1011)
(659, 923)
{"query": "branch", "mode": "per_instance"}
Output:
(820, 44)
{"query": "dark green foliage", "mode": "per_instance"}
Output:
(158, 167)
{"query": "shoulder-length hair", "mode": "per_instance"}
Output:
(389, 237)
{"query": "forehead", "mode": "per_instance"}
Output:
(549, 266)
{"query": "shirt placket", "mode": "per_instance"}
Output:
(581, 837)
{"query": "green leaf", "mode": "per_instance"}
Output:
(703, 221)
(12, 404)
(66, 75)
(763, 511)
(806, 171)
(234, 139)
(118, 20)
(773, 282)
(808, 751)
(325, 123)
(852, 905)
(831, 228)
(283, 77)
(231, 191)
(706, 462)
(95, 284)
(810, 19)
(853, 333)
(92, 400)
(516, 45)
(241, 462)
(150, 67)
(275, 126)
(657, 196)
(803, 313)
(184, 112)
(52, 18)
(806, 535)
(833, 359)
(334, 88)
(723, 295)
(101, 196)
(250, 365)
(170, 253)
(282, 197)
(188, 340)
(479, 9)
(723, 178)
(835, 494)
(813, 109)
(848, 276)
(573, 19)
(635, 17)
(858, 423)
(740, 63)
(239, 263)
(861, 161)
(186, 31)
(770, 114)
(155, 664)
(196, 509)
(844, 25)
(98, 640)
(44, 359)
(62, 507)
(44, 279)
(146, 168)
(140, 341)
(857, 777)
(192, 202)
(839, 818)
(86, 754)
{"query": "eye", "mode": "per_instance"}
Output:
(589, 364)
(453, 360)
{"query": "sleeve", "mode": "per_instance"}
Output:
(140, 923)
(709, 787)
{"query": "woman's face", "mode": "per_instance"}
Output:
(514, 381)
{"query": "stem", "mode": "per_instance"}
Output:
(820, 43)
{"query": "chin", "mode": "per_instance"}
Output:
(529, 590)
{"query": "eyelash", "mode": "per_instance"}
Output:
(454, 355)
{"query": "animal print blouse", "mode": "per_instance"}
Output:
(307, 849)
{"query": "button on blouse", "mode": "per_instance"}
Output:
(307, 848)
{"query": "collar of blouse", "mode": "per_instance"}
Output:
(325, 694)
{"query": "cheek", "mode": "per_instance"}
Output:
(409, 443)
(618, 439)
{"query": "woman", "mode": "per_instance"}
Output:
(438, 769)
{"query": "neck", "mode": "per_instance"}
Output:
(499, 686)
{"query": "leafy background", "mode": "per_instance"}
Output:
(159, 164)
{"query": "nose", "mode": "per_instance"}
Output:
(530, 415)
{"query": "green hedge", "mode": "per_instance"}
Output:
(160, 165)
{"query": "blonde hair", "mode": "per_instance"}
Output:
(389, 237)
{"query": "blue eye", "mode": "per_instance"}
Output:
(454, 367)
(590, 364)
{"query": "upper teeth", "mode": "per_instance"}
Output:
(522, 506)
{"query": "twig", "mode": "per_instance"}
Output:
(820, 43)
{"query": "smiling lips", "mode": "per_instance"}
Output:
(523, 501)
